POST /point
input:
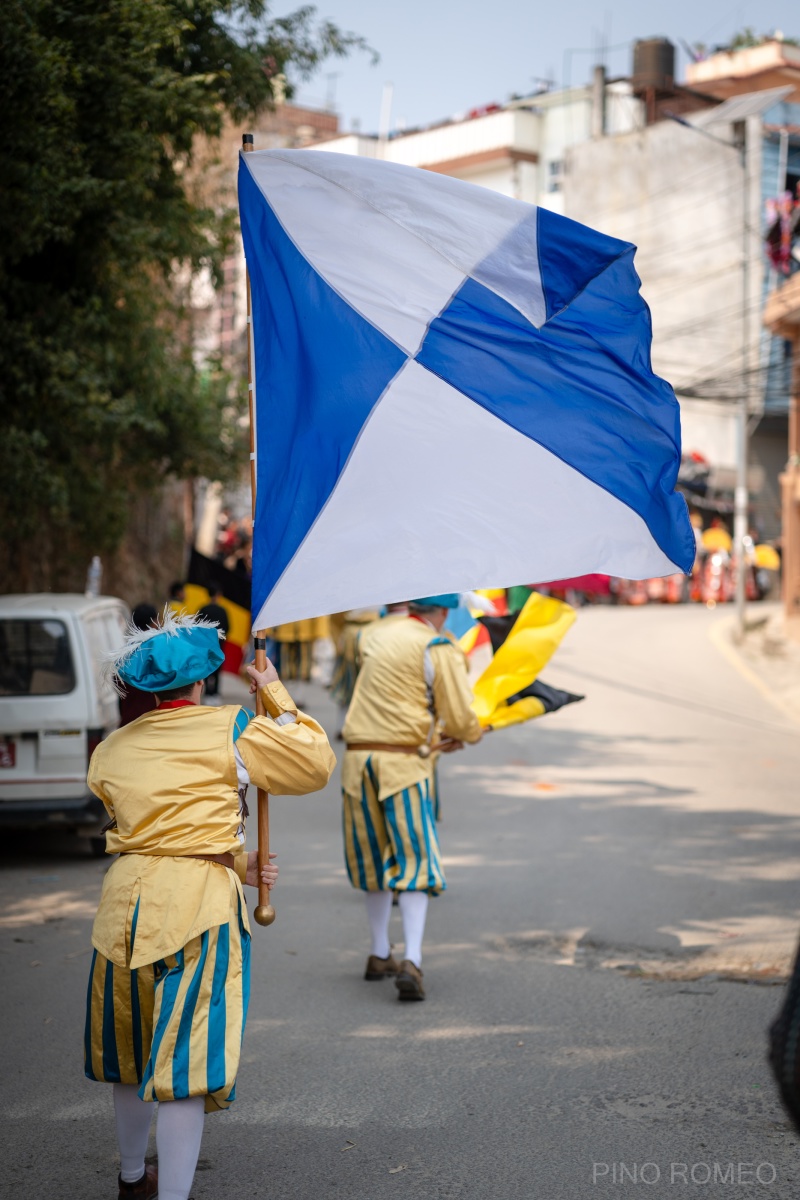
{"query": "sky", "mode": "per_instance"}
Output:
(445, 57)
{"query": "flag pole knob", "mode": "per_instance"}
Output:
(264, 914)
(247, 142)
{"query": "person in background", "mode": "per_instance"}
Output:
(294, 646)
(411, 693)
(344, 668)
(177, 595)
(133, 702)
(216, 614)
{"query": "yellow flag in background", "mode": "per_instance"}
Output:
(531, 643)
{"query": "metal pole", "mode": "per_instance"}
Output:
(385, 124)
(740, 524)
(264, 913)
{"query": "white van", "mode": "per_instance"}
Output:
(54, 707)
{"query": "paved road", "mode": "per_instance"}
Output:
(611, 867)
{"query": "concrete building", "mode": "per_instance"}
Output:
(517, 149)
(691, 196)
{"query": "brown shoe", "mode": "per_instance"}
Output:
(409, 981)
(379, 968)
(145, 1188)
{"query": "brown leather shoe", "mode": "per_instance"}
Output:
(409, 981)
(145, 1188)
(379, 968)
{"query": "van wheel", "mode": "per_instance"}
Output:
(97, 845)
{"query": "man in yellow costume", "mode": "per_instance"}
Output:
(411, 693)
(345, 667)
(295, 646)
(170, 976)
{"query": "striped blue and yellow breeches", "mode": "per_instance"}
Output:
(392, 844)
(175, 1027)
(436, 795)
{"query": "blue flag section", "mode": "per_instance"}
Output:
(453, 389)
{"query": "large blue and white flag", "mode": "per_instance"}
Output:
(453, 390)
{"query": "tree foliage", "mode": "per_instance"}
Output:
(101, 103)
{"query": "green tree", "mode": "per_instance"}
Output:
(101, 103)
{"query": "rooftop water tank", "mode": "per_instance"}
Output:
(653, 65)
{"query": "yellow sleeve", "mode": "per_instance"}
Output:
(240, 864)
(277, 700)
(452, 696)
(94, 784)
(290, 759)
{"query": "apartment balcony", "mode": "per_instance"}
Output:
(499, 138)
(495, 139)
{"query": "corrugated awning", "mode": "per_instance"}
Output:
(739, 108)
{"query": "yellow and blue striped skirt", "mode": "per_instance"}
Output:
(173, 1028)
(392, 844)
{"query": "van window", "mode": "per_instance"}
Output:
(35, 658)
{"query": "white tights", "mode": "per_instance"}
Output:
(133, 1118)
(179, 1130)
(178, 1135)
(379, 910)
(413, 911)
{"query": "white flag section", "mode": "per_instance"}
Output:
(453, 390)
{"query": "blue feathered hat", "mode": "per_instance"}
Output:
(444, 600)
(179, 651)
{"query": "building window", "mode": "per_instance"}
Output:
(555, 175)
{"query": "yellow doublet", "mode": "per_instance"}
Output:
(412, 684)
(169, 778)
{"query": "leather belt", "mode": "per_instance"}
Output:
(222, 860)
(421, 751)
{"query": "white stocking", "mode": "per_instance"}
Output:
(133, 1118)
(379, 910)
(413, 911)
(179, 1131)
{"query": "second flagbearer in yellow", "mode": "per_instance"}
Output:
(411, 693)
(169, 981)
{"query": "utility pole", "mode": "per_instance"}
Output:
(385, 124)
(740, 495)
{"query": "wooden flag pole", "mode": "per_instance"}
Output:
(264, 913)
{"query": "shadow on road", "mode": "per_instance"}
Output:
(622, 864)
